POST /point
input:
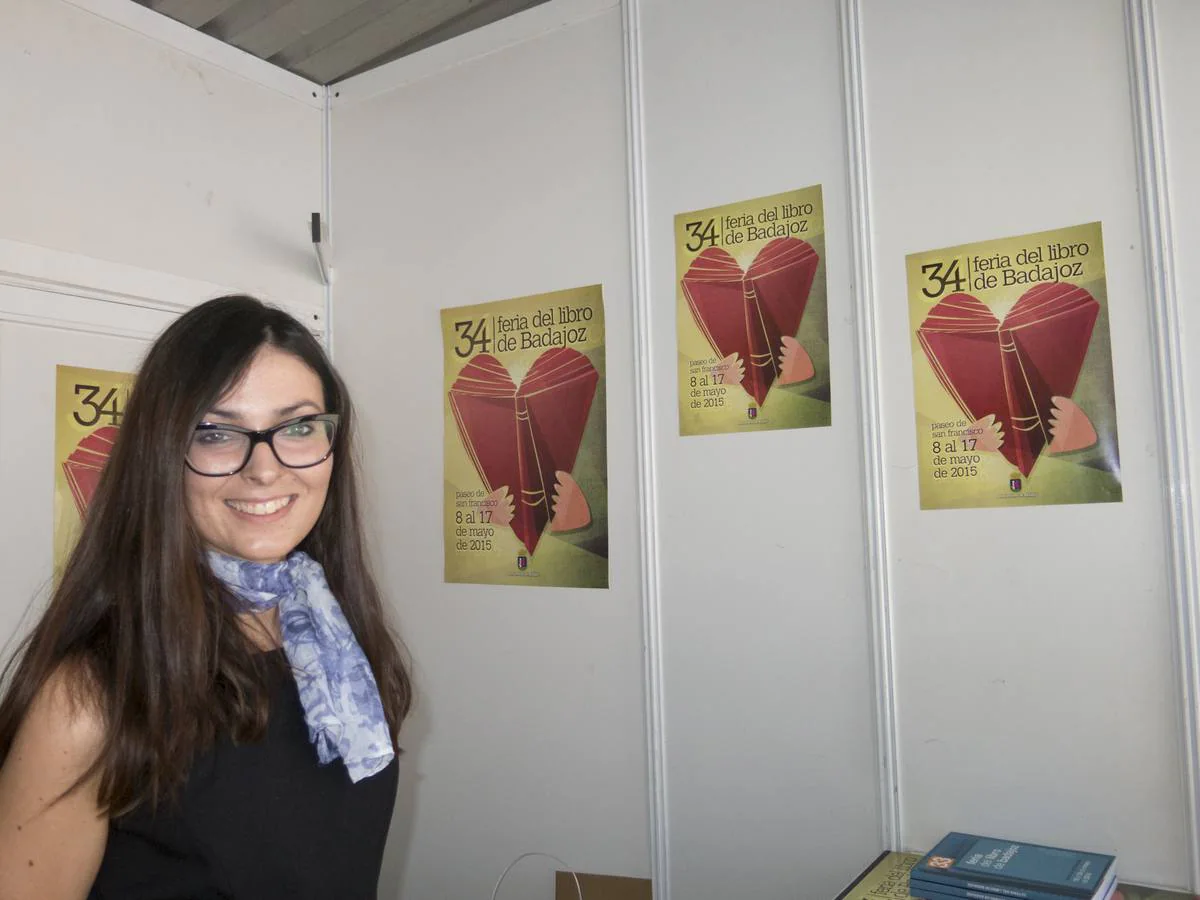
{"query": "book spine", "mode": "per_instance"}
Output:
(999, 887)
(977, 890)
(928, 891)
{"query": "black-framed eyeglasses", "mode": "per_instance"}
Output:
(218, 449)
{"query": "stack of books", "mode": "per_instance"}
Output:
(969, 867)
(884, 879)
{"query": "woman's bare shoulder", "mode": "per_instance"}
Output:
(52, 830)
(68, 708)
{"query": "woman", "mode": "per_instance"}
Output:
(208, 707)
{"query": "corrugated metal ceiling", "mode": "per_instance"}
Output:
(328, 40)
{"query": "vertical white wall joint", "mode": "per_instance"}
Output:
(1163, 301)
(868, 377)
(639, 256)
(327, 203)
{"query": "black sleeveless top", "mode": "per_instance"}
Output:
(260, 821)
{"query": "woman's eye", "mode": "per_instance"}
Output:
(299, 430)
(212, 438)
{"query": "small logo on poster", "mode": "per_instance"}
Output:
(522, 562)
(1014, 485)
(752, 412)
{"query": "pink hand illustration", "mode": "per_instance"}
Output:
(795, 365)
(1070, 428)
(988, 434)
(729, 370)
(570, 507)
(498, 506)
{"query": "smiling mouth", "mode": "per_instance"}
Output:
(261, 508)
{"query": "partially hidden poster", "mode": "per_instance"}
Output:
(752, 321)
(88, 406)
(1012, 372)
(526, 479)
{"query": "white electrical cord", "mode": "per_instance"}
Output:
(496, 889)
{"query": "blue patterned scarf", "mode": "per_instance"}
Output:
(337, 689)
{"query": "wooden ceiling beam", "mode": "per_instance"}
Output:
(195, 13)
(390, 30)
(241, 16)
(477, 16)
(328, 40)
(291, 24)
(358, 17)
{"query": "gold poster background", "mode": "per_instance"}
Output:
(998, 273)
(477, 551)
(706, 407)
(85, 401)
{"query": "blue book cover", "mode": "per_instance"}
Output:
(927, 890)
(1011, 868)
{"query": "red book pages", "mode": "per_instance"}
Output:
(1012, 368)
(83, 467)
(750, 313)
(520, 437)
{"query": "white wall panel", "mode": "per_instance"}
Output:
(72, 332)
(120, 147)
(768, 700)
(1035, 683)
(499, 177)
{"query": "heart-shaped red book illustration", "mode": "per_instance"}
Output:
(750, 313)
(520, 436)
(83, 467)
(1012, 368)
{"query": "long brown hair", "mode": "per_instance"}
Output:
(138, 621)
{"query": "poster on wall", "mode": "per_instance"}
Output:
(1012, 372)
(526, 478)
(88, 406)
(752, 322)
